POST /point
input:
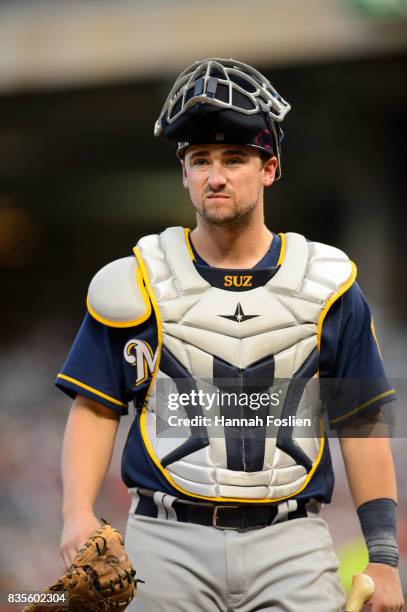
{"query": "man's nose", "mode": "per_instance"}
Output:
(216, 177)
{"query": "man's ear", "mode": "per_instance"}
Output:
(269, 171)
(184, 174)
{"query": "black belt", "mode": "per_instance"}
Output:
(241, 517)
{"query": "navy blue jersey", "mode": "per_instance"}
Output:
(98, 367)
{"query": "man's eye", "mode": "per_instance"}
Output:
(234, 160)
(199, 162)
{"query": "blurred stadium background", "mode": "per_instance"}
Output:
(82, 178)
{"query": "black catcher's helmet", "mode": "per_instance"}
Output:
(222, 100)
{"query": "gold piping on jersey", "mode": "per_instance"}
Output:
(92, 389)
(374, 399)
(373, 329)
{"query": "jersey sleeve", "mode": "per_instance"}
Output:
(350, 357)
(97, 367)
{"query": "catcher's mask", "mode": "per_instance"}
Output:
(222, 100)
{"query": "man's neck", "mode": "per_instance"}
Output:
(226, 247)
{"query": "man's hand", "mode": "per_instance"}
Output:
(387, 596)
(77, 529)
(101, 576)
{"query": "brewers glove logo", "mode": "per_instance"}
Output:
(140, 355)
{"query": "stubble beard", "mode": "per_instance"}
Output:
(231, 218)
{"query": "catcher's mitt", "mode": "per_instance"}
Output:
(101, 577)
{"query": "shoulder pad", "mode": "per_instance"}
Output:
(330, 266)
(117, 296)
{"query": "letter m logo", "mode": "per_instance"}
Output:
(140, 355)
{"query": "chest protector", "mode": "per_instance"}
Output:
(276, 337)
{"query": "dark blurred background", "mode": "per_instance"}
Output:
(82, 178)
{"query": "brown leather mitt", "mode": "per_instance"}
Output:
(101, 577)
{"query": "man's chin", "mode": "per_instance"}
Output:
(225, 215)
(219, 218)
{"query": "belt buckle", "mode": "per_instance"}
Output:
(215, 516)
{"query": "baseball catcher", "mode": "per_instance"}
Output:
(222, 337)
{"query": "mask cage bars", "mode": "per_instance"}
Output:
(198, 84)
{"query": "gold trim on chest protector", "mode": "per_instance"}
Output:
(344, 287)
(187, 231)
(282, 249)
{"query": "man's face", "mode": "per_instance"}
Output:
(226, 182)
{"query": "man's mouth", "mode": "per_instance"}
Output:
(218, 196)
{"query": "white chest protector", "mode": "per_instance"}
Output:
(202, 337)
